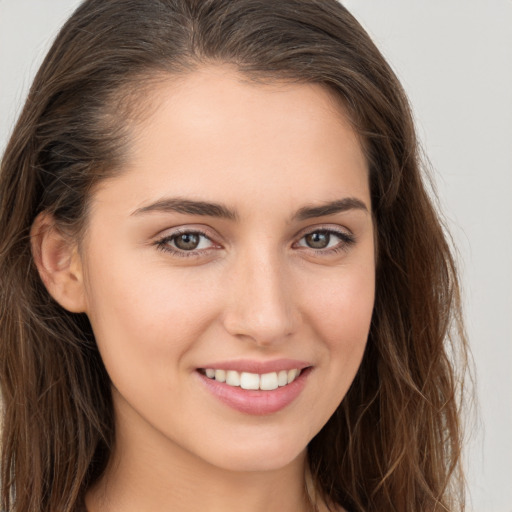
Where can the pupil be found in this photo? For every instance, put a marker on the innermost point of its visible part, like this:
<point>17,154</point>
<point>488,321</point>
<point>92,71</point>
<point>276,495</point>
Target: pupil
<point>187,241</point>
<point>318,240</point>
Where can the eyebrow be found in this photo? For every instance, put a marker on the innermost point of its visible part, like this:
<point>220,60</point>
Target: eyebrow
<point>330,208</point>
<point>207,209</point>
<point>189,207</point>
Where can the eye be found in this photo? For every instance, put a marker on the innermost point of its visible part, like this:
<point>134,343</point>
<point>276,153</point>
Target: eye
<point>318,239</point>
<point>326,240</point>
<point>185,242</point>
<point>188,241</point>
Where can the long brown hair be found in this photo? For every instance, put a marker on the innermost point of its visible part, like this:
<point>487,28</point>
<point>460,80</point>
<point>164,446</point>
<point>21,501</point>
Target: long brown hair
<point>395,441</point>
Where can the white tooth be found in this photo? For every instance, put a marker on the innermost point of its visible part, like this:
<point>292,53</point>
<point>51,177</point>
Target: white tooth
<point>282,378</point>
<point>269,381</point>
<point>292,374</point>
<point>210,373</point>
<point>220,375</point>
<point>232,378</point>
<point>249,380</point>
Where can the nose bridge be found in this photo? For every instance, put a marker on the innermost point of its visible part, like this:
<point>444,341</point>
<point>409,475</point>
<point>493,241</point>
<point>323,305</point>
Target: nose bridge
<point>261,304</point>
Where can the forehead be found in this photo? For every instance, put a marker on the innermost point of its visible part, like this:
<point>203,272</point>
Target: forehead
<point>216,93</point>
<point>214,132</point>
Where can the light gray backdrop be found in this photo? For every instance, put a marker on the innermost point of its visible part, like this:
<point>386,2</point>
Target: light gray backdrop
<point>454,58</point>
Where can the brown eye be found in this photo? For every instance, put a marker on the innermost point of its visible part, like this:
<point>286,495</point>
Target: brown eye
<point>187,241</point>
<point>327,241</point>
<point>318,239</point>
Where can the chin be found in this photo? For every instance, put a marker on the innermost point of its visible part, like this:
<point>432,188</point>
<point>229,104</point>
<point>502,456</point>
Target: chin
<point>256,457</point>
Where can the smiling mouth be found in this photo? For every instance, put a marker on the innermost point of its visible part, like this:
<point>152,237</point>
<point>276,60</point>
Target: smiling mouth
<point>254,381</point>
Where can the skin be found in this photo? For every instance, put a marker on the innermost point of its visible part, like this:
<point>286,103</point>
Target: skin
<point>254,289</point>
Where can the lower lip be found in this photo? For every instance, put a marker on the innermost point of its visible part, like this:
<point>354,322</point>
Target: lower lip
<point>256,402</point>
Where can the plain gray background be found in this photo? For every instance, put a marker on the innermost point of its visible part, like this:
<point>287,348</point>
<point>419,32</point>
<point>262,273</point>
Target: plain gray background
<point>454,58</point>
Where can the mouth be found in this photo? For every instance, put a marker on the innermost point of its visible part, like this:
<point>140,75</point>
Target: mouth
<point>267,389</point>
<point>252,381</point>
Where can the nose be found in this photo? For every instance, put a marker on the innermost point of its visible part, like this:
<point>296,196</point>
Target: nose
<point>261,304</point>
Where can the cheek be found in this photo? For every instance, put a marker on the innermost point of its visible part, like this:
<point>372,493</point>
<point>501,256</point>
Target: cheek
<point>145,322</point>
<point>341,306</point>
<point>340,312</point>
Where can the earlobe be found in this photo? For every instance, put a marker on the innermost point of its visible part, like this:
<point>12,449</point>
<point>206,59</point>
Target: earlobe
<point>58,262</point>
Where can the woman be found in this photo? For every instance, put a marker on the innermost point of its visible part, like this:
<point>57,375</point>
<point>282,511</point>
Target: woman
<point>223,281</point>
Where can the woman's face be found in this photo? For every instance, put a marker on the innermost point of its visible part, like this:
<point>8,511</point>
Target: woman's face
<point>236,244</point>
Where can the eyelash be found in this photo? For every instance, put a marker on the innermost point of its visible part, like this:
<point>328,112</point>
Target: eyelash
<point>346,241</point>
<point>163,243</point>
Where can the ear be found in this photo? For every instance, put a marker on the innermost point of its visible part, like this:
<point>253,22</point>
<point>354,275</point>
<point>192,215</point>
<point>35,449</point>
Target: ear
<point>58,262</point>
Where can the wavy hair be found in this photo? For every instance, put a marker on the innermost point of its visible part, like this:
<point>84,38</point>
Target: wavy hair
<point>394,443</point>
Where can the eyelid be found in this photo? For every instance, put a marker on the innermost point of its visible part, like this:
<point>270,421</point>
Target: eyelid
<point>346,236</point>
<point>330,228</point>
<point>199,229</point>
<point>160,241</point>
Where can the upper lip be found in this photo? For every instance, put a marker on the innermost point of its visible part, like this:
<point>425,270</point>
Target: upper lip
<point>260,367</point>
